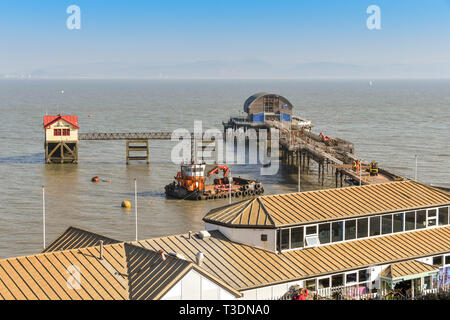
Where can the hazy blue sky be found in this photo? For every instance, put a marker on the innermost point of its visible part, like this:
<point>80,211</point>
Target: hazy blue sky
<point>34,35</point>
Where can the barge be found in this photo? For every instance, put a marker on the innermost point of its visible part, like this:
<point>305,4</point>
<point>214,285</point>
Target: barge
<point>190,184</point>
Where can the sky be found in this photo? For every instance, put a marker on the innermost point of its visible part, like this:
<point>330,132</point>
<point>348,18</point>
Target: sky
<point>34,35</point>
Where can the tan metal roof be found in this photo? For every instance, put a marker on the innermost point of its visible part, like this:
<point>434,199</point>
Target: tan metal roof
<point>308,207</point>
<point>244,267</point>
<point>74,238</point>
<point>407,268</point>
<point>125,272</point>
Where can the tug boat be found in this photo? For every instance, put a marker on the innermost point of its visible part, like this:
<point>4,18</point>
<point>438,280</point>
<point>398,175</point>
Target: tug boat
<point>189,184</point>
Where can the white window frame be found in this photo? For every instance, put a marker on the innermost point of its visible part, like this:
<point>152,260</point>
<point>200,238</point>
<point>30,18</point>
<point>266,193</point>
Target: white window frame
<point>380,216</point>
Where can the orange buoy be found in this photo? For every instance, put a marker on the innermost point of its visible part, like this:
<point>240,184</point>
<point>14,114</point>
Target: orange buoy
<point>95,179</point>
<point>90,116</point>
<point>110,181</point>
<point>153,202</point>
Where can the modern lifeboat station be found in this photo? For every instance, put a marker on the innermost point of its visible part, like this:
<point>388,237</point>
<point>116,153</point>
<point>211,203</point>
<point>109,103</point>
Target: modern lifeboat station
<point>359,241</point>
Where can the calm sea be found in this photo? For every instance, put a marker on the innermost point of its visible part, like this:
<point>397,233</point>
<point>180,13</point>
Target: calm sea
<point>389,122</point>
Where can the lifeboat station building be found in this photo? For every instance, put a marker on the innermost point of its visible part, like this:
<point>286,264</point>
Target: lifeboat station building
<point>61,138</point>
<point>361,241</point>
<point>263,106</point>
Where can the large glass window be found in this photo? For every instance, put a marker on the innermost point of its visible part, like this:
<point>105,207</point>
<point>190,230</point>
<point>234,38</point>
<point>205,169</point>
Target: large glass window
<point>410,220</point>
<point>432,218</point>
<point>311,230</point>
<point>297,237</point>
<point>398,222</point>
<point>447,260</point>
<point>337,280</point>
<point>324,283</point>
<point>363,227</point>
<point>337,230</point>
<point>421,219</point>
<point>351,278</point>
<point>284,239</point>
<point>443,216</point>
<point>310,285</point>
<point>364,275</point>
<point>325,233</point>
<point>437,261</point>
<point>350,229</point>
<point>374,226</point>
<point>386,224</point>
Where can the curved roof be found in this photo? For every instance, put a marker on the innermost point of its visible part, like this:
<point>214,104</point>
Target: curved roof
<point>256,96</point>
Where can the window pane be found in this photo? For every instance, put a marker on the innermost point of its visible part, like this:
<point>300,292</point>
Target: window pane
<point>350,278</point>
<point>421,219</point>
<point>337,231</point>
<point>437,261</point>
<point>312,240</point>
<point>310,285</point>
<point>311,230</point>
<point>337,280</point>
<point>324,283</point>
<point>410,220</point>
<point>278,241</point>
<point>386,222</point>
<point>447,260</point>
<point>363,225</point>
<point>398,222</point>
<point>427,282</point>
<point>284,239</point>
<point>297,237</point>
<point>443,216</point>
<point>431,213</point>
<point>364,275</point>
<point>374,226</point>
<point>324,232</point>
<point>350,229</point>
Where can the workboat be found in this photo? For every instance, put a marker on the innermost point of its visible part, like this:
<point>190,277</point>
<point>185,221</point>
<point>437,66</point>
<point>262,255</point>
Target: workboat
<point>190,184</point>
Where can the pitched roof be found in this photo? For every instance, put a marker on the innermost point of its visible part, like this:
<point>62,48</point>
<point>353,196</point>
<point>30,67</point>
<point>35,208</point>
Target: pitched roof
<point>245,213</point>
<point>48,120</point>
<point>47,275</point>
<point>244,267</point>
<point>407,268</point>
<point>125,272</point>
<point>74,238</point>
<point>323,205</point>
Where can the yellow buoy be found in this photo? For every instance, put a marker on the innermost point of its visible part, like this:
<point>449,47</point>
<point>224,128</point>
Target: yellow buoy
<point>126,204</point>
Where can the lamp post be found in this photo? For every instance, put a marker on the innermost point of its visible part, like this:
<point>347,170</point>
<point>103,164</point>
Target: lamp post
<point>43,216</point>
<point>135,206</point>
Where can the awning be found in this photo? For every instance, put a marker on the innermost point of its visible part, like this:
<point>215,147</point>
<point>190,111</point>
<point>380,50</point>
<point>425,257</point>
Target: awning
<point>407,270</point>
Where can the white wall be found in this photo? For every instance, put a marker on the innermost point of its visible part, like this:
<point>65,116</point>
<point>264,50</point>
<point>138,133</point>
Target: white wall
<point>269,292</point>
<point>251,237</point>
<point>194,286</point>
<point>49,137</point>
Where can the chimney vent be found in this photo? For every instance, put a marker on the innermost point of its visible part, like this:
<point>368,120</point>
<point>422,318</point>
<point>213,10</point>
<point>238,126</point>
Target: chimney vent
<point>101,249</point>
<point>190,234</point>
<point>204,234</point>
<point>199,257</point>
<point>163,254</point>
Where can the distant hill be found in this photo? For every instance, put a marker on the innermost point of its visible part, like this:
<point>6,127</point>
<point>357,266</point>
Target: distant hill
<point>238,69</point>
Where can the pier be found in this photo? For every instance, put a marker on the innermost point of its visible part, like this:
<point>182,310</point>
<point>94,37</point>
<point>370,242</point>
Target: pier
<point>298,145</point>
